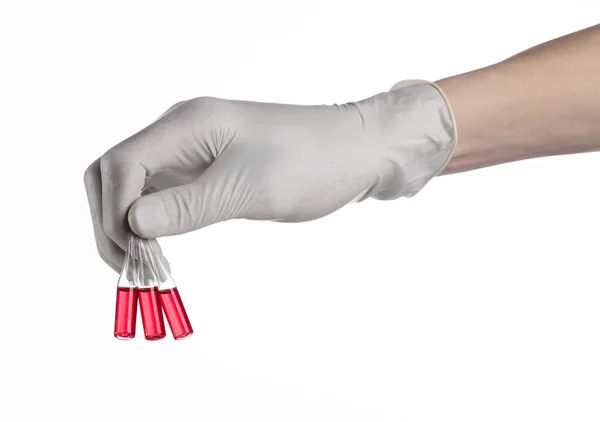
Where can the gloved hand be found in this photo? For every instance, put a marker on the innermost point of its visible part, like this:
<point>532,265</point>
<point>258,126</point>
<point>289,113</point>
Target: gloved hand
<point>208,160</point>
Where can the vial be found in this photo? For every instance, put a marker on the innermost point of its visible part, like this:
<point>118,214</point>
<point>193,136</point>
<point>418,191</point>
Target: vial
<point>127,297</point>
<point>170,300</point>
<point>147,282</point>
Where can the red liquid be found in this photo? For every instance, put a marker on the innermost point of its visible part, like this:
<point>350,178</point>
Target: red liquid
<point>175,313</point>
<point>125,312</point>
<point>154,326</point>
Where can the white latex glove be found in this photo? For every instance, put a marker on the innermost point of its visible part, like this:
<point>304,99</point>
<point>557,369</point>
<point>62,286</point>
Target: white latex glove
<point>209,160</point>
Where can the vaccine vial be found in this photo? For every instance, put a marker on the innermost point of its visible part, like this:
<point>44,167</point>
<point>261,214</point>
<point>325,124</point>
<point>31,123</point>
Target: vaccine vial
<point>175,312</point>
<point>170,300</point>
<point>127,298</point>
<point>147,282</point>
<point>152,318</point>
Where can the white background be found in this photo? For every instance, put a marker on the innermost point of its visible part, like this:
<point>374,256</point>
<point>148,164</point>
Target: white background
<point>478,300</point>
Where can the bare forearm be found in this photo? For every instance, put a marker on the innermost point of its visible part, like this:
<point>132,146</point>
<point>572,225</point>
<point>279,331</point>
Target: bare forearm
<point>543,101</point>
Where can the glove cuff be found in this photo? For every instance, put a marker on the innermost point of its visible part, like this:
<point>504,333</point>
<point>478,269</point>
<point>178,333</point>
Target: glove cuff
<point>443,135</point>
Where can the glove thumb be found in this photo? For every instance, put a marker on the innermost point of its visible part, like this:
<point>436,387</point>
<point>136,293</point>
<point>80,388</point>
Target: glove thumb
<point>214,197</point>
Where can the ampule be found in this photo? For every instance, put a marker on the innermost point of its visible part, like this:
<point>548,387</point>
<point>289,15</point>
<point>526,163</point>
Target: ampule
<point>127,296</point>
<point>147,281</point>
<point>170,299</point>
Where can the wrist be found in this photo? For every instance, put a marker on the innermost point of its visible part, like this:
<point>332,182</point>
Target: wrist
<point>416,136</point>
<point>485,118</point>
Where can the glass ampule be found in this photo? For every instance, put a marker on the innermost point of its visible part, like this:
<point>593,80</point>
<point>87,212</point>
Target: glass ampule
<point>127,297</point>
<point>147,282</point>
<point>170,299</point>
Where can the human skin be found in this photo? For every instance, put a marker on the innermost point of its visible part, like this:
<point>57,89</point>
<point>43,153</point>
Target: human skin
<point>296,163</point>
<point>544,101</point>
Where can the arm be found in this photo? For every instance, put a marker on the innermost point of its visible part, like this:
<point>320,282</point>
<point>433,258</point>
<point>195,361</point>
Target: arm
<point>209,160</point>
<point>543,101</point>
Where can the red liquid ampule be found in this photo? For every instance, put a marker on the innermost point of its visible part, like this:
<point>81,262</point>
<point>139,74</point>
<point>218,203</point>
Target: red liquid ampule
<point>147,281</point>
<point>127,296</point>
<point>152,318</point>
<point>170,299</point>
<point>175,313</point>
